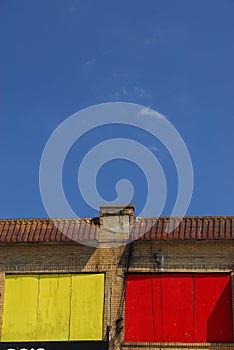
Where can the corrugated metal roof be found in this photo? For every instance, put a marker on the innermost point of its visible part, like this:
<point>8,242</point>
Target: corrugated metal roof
<point>87,230</point>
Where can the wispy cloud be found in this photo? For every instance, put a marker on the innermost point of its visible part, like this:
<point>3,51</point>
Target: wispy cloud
<point>141,92</point>
<point>91,61</point>
<point>147,111</point>
<point>72,8</point>
<point>156,38</point>
<point>124,90</point>
<point>130,92</point>
<point>119,94</point>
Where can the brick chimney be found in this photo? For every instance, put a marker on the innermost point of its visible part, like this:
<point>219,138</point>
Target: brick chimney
<point>116,222</point>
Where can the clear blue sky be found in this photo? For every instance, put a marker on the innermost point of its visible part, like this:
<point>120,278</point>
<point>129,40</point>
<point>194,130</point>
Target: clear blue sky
<point>59,56</point>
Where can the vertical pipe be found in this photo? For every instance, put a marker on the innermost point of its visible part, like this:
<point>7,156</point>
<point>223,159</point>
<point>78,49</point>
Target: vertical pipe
<point>109,310</point>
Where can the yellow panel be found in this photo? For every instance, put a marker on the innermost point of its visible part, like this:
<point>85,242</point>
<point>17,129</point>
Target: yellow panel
<point>87,307</point>
<point>53,307</point>
<point>20,304</point>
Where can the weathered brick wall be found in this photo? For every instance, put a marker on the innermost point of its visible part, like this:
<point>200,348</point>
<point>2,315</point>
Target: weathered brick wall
<point>183,256</point>
<point>198,256</point>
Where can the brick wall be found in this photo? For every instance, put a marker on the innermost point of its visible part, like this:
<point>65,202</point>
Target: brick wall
<point>152,256</point>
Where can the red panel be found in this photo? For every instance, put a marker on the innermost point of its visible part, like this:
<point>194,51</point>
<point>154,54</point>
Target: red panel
<point>143,308</point>
<point>178,308</point>
<point>213,305</point>
<point>178,311</point>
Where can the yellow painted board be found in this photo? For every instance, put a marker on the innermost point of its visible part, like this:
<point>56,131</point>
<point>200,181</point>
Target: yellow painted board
<point>19,310</point>
<point>87,304</point>
<point>53,314</point>
<point>53,307</point>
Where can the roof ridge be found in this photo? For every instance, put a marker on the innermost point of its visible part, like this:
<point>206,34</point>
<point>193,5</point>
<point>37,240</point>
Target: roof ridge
<point>46,219</point>
<point>137,217</point>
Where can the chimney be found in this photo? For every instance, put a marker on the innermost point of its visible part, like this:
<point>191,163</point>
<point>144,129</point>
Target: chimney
<point>116,222</point>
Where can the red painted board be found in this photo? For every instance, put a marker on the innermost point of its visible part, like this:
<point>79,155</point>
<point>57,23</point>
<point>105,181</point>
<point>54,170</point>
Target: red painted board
<point>177,308</point>
<point>143,308</point>
<point>213,305</point>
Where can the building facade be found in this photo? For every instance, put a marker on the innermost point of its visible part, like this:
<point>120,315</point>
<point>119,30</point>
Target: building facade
<point>162,289</point>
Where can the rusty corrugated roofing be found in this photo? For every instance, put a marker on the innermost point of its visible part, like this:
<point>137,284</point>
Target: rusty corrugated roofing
<point>47,230</point>
<point>189,228</point>
<point>69,230</point>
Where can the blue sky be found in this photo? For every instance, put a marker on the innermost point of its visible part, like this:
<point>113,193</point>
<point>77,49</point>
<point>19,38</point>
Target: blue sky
<point>60,56</point>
